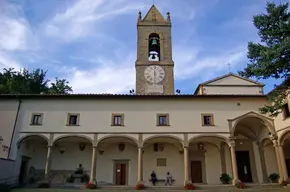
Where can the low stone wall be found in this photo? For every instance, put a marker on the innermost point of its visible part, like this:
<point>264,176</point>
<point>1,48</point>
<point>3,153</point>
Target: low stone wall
<point>7,170</point>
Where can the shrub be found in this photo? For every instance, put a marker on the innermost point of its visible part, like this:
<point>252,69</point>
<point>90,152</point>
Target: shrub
<point>240,185</point>
<point>140,186</point>
<point>225,178</point>
<point>71,179</point>
<point>44,185</point>
<point>274,177</point>
<point>85,178</point>
<point>91,186</point>
<point>4,188</point>
<point>189,186</point>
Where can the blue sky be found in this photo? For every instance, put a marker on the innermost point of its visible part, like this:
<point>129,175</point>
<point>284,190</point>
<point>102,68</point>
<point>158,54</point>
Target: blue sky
<point>92,43</point>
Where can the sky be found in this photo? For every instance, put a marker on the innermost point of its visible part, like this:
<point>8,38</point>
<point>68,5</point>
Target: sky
<point>93,43</point>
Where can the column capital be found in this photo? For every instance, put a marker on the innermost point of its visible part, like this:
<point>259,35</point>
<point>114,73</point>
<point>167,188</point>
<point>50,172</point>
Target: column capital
<point>185,146</point>
<point>95,146</point>
<point>49,146</point>
<point>232,143</point>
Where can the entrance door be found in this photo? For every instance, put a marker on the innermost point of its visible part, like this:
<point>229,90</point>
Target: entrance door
<point>288,166</point>
<point>196,172</point>
<point>121,174</point>
<point>244,168</point>
<point>23,169</point>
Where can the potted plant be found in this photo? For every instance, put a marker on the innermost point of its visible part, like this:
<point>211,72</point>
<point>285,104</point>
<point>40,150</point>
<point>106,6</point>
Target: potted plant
<point>225,178</point>
<point>140,186</point>
<point>240,185</point>
<point>189,186</point>
<point>274,177</point>
<point>91,186</point>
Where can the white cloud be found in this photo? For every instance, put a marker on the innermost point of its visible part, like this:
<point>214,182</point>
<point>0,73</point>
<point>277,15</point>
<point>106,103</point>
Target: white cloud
<point>81,19</point>
<point>188,65</point>
<point>7,62</point>
<point>109,76</point>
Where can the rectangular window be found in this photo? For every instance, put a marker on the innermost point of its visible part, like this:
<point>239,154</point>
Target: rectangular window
<point>286,112</point>
<point>73,119</point>
<point>117,120</point>
<point>163,119</point>
<point>36,119</point>
<point>161,162</point>
<point>207,119</point>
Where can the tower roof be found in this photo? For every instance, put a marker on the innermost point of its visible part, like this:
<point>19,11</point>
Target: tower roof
<point>154,15</point>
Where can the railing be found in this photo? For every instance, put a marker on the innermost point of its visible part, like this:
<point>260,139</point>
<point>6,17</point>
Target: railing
<point>11,181</point>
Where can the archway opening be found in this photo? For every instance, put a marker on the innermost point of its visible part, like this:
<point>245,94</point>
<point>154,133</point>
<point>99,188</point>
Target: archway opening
<point>285,140</point>
<point>163,154</point>
<point>249,132</point>
<point>209,156</point>
<point>71,159</point>
<point>117,159</point>
<point>32,158</point>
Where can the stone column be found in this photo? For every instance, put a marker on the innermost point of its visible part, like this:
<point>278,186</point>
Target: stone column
<point>278,160</point>
<point>93,166</point>
<point>48,160</point>
<point>234,162</point>
<point>185,155</point>
<point>140,161</point>
<point>263,163</point>
<point>283,163</point>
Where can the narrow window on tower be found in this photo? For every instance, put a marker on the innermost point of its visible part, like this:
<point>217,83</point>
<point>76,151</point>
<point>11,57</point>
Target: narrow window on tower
<point>154,47</point>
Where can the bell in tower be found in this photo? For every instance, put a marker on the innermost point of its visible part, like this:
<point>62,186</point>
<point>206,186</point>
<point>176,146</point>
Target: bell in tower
<point>154,47</point>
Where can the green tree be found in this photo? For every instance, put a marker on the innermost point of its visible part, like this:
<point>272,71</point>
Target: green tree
<point>271,57</point>
<point>34,82</point>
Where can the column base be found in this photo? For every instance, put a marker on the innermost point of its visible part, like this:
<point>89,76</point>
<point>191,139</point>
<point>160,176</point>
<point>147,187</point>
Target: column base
<point>93,181</point>
<point>140,182</point>
<point>234,181</point>
<point>187,182</point>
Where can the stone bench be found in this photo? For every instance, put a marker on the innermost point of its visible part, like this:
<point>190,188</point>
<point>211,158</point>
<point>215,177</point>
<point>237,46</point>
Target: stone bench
<point>162,180</point>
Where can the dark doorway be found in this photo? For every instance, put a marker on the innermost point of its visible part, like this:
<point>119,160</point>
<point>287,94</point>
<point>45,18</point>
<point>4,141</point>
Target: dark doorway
<point>288,166</point>
<point>121,174</point>
<point>244,168</point>
<point>23,169</point>
<point>196,172</point>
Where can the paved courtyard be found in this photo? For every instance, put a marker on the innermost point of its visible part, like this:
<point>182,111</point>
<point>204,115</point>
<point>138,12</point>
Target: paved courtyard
<point>106,190</point>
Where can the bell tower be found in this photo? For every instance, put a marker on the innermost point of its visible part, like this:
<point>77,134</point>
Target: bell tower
<point>154,64</point>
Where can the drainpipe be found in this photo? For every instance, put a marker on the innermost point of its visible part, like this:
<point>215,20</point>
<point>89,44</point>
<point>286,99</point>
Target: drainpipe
<point>14,127</point>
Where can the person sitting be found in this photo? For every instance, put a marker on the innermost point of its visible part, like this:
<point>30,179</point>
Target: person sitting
<point>168,179</point>
<point>153,178</point>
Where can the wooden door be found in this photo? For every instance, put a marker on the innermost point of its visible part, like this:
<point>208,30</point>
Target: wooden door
<point>121,174</point>
<point>196,172</point>
<point>288,166</point>
<point>23,169</point>
<point>243,164</point>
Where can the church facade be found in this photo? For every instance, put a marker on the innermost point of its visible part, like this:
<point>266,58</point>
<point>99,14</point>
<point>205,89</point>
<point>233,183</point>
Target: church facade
<point>121,138</point>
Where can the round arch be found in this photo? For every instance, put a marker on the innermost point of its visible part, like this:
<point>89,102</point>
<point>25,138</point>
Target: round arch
<point>163,136</point>
<point>281,138</point>
<point>225,139</point>
<point>72,135</point>
<point>118,136</point>
<point>22,138</point>
<point>263,120</point>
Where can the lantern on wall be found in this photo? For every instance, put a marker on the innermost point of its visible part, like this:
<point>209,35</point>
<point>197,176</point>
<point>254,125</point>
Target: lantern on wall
<point>82,146</point>
<point>121,147</point>
<point>200,146</point>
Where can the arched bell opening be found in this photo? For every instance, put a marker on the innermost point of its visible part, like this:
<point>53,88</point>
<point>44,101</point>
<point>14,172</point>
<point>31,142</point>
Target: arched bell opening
<point>154,47</point>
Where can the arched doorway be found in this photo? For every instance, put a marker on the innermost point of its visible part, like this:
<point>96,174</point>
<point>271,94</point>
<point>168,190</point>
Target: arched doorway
<point>163,154</point>
<point>71,153</point>
<point>117,160</point>
<point>285,141</point>
<point>249,132</point>
<point>32,158</point>
<point>209,156</point>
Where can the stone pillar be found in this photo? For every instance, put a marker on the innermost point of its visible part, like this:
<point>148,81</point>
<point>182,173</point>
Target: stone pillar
<point>140,161</point>
<point>278,160</point>
<point>93,166</point>
<point>283,163</point>
<point>234,162</point>
<point>263,163</point>
<point>48,161</point>
<point>185,155</point>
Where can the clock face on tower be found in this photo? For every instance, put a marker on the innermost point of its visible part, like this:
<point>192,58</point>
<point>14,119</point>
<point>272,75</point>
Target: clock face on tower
<point>154,74</point>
